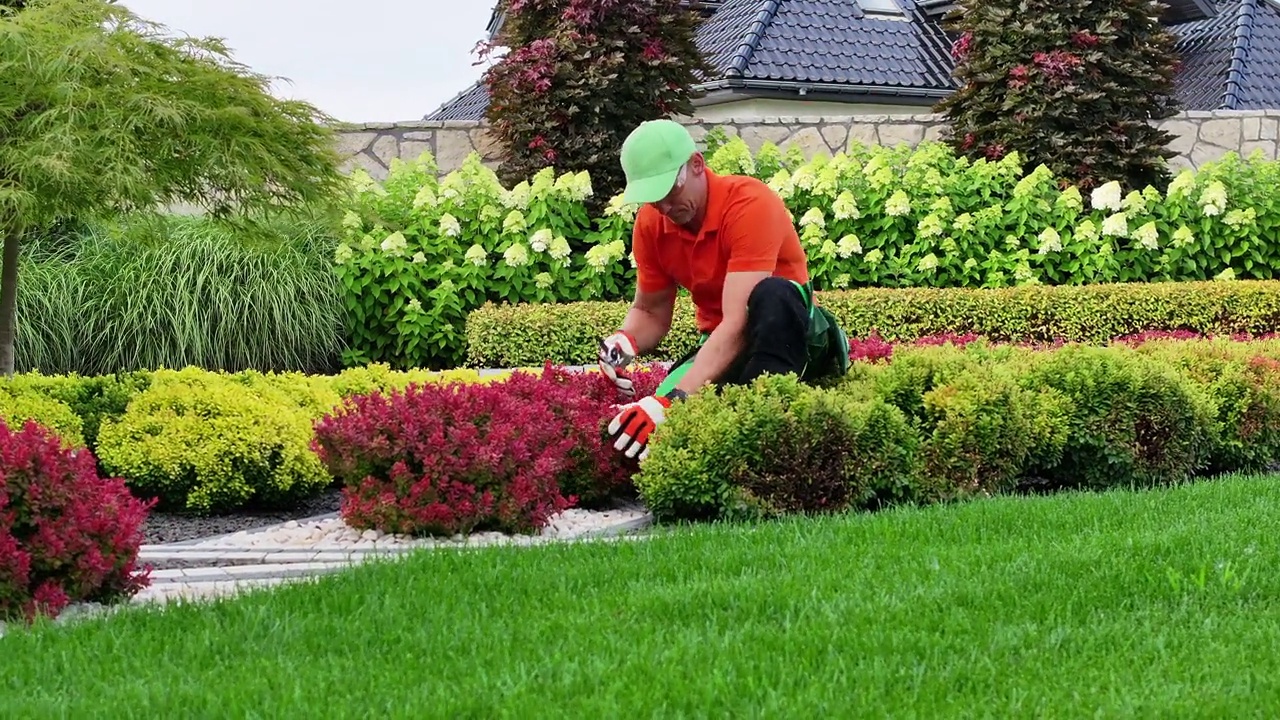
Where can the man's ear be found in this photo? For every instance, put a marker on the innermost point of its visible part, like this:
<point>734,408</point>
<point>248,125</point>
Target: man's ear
<point>697,163</point>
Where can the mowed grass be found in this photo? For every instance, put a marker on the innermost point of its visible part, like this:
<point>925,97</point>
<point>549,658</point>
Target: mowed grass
<point>1125,604</point>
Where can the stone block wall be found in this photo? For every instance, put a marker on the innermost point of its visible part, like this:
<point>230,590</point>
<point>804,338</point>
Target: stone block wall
<point>1201,136</point>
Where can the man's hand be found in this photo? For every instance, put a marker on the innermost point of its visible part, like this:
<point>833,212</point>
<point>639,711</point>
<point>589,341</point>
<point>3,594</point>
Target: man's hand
<point>616,353</point>
<point>632,426</point>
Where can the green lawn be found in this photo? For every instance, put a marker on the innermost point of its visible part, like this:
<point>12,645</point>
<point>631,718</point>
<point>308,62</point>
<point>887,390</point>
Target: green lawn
<point>1155,604</point>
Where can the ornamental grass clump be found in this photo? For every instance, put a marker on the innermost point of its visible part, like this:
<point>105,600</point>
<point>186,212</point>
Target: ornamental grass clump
<point>446,458</point>
<point>66,534</point>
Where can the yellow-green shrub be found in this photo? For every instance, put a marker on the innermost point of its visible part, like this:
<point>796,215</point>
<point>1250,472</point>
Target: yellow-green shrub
<point>91,398</point>
<point>511,335</point>
<point>209,442</point>
<point>17,408</point>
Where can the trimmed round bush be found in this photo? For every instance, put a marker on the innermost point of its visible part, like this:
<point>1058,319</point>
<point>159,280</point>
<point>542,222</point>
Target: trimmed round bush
<point>775,447</point>
<point>211,442</point>
<point>1136,420</point>
<point>66,534</point>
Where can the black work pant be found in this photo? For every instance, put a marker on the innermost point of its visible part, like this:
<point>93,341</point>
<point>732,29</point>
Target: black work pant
<point>776,337</point>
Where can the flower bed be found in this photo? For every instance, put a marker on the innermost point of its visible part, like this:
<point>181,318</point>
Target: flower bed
<point>524,335</point>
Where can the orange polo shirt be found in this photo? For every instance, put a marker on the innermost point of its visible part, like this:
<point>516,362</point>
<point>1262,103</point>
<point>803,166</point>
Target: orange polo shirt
<point>746,229</point>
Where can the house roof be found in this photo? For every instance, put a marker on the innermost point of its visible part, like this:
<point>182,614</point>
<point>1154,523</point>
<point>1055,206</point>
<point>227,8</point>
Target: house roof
<point>1232,61</point>
<point>836,48</point>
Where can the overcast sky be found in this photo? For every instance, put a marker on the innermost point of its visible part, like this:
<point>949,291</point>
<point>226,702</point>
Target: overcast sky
<point>362,61</point>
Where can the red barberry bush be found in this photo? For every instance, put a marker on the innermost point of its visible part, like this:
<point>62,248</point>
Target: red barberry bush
<point>580,74</point>
<point>1075,85</point>
<point>66,534</point>
<point>447,458</point>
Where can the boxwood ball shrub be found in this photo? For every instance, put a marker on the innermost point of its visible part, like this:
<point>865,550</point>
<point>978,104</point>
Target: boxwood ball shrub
<point>212,442</point>
<point>66,533</point>
<point>452,457</point>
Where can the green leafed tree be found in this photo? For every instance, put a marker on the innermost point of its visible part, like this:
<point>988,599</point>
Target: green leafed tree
<point>103,112</point>
<point>579,75</point>
<point>1073,84</point>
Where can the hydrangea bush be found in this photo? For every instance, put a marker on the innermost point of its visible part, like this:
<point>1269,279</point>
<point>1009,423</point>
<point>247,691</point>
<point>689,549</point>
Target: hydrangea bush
<point>419,252</point>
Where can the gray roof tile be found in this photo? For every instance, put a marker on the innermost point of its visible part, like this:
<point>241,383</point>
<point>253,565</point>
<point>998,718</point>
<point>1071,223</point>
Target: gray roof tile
<point>1230,61</point>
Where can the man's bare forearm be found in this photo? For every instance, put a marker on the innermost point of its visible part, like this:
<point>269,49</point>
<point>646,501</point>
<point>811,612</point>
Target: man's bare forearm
<point>723,345</point>
<point>647,326</point>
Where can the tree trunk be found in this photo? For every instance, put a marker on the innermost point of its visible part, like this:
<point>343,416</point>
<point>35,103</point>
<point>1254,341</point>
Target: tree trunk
<point>9,298</point>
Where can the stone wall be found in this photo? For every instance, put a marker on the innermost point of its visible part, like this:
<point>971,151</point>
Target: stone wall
<point>1202,136</point>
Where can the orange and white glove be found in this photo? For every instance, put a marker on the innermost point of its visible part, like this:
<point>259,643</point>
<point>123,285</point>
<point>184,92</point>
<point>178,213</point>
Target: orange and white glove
<point>636,421</point>
<point>616,353</point>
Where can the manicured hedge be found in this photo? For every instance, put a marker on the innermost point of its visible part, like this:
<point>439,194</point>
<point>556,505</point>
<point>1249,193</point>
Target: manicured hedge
<point>519,335</point>
<point>943,423</point>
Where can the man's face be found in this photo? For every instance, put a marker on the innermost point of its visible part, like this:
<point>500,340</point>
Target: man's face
<point>682,204</point>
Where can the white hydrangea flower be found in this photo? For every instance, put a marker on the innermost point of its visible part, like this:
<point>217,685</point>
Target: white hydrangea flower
<point>419,258</point>
<point>1107,197</point>
<point>813,217</point>
<point>781,184</point>
<point>898,204</point>
<point>518,196</point>
<point>963,222</point>
<point>803,178</point>
<point>930,226</point>
<point>874,257</point>
<point>1213,200</point>
<point>1071,199</point>
<point>1182,236</point>
<point>449,226</point>
<point>343,254</point>
<point>1050,241</point>
<point>559,248</point>
<point>1134,203</point>
<point>426,197</point>
<point>1087,231</point>
<point>1148,236</point>
<point>845,207</point>
<point>541,240</point>
<point>1238,218</point>
<point>394,244</point>
<point>1116,225</point>
<point>516,255</point>
<point>477,255</point>
<point>514,223</point>
<point>415,305</point>
<point>1181,184</point>
<point>1228,274</point>
<point>351,221</point>
<point>842,281</point>
<point>543,280</point>
<point>928,263</point>
<point>849,245</point>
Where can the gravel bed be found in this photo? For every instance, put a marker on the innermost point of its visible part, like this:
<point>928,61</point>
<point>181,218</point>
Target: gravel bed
<point>169,527</point>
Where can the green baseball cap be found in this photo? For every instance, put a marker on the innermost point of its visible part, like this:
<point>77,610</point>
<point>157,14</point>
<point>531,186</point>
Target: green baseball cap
<point>651,158</point>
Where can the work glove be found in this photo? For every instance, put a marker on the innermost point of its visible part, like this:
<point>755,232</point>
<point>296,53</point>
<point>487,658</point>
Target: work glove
<point>616,353</point>
<point>635,422</point>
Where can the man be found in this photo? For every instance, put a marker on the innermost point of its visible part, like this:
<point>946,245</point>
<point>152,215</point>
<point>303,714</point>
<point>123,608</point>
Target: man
<point>730,241</point>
